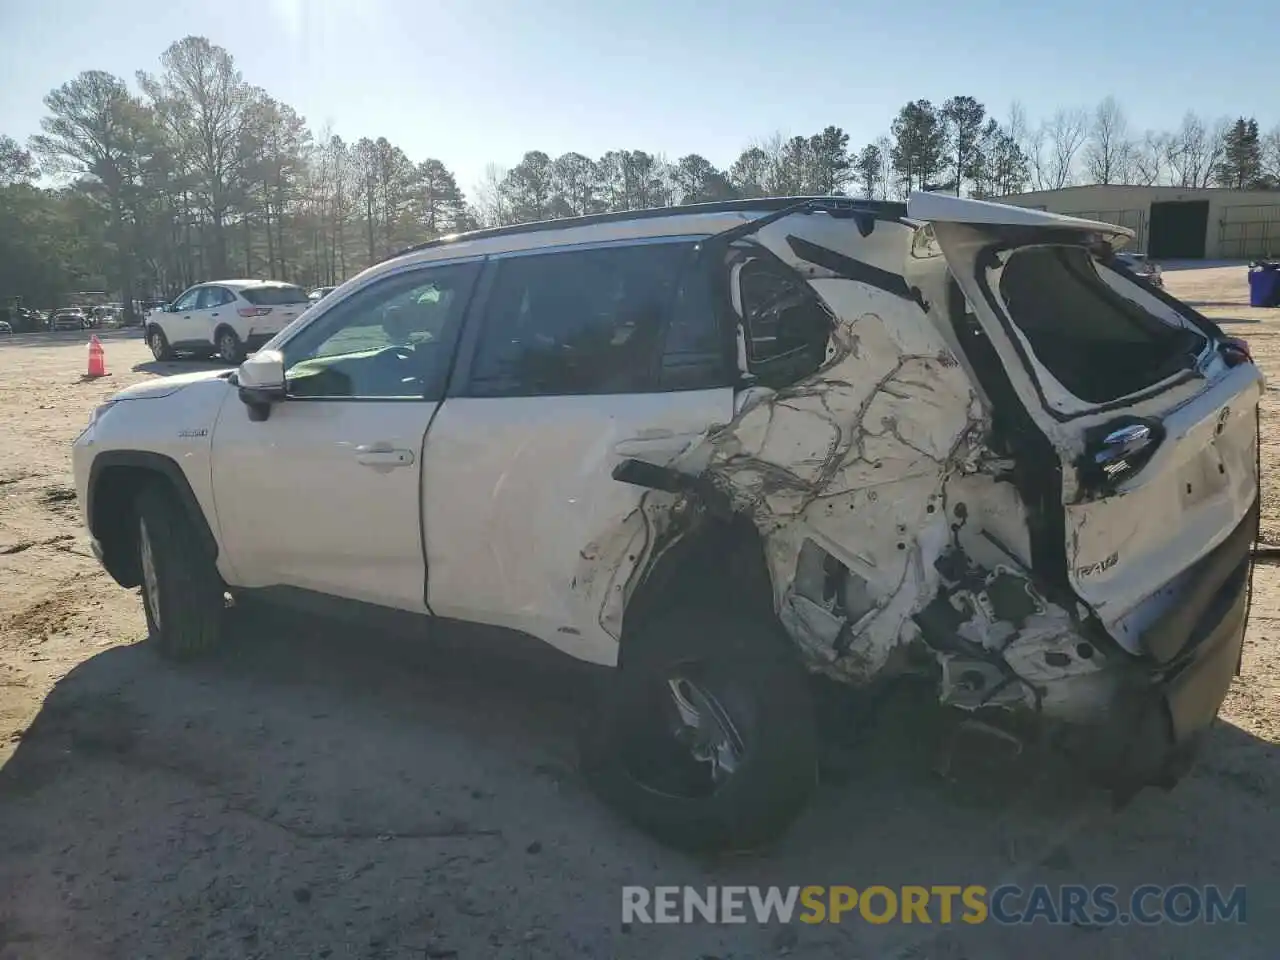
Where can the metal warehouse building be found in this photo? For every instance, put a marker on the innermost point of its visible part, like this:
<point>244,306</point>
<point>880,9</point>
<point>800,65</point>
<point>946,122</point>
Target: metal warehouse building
<point>1175,223</point>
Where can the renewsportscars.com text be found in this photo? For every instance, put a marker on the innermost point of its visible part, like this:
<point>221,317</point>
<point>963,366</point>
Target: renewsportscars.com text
<point>1099,905</point>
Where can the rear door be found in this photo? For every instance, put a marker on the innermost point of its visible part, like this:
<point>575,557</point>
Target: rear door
<point>213,307</point>
<point>1153,427</point>
<point>578,358</point>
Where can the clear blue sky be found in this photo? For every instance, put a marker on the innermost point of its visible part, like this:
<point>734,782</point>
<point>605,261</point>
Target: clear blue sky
<point>475,81</point>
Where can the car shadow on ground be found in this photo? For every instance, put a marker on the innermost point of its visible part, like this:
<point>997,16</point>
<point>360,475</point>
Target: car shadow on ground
<point>315,788</point>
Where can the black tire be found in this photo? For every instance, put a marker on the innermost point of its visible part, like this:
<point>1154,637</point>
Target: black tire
<point>182,593</point>
<point>755,678</point>
<point>227,346</point>
<point>159,344</point>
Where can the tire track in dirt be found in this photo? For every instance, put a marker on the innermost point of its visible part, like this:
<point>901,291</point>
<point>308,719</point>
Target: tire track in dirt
<point>24,545</point>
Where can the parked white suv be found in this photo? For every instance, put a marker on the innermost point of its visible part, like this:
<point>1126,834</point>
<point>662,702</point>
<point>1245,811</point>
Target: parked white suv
<point>719,448</point>
<point>225,318</point>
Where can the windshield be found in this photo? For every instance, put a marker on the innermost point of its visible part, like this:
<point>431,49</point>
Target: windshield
<point>274,296</point>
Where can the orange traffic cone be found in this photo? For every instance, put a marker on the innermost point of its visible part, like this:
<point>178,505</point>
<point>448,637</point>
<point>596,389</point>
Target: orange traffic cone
<point>97,358</point>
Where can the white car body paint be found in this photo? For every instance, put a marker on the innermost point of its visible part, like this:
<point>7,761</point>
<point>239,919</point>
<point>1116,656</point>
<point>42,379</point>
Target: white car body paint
<point>1123,549</point>
<point>180,428</point>
<point>193,326</point>
<point>517,496</point>
<point>864,461</point>
<point>326,513</point>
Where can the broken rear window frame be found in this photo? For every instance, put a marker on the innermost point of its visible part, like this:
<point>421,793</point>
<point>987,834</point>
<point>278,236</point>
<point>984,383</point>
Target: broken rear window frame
<point>989,258</point>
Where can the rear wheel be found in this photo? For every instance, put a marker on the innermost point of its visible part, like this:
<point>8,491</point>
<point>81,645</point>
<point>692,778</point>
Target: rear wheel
<point>705,735</point>
<point>230,350</point>
<point>182,593</point>
<point>159,344</point>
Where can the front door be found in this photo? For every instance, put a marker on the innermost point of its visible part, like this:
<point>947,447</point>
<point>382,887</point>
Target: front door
<point>325,495</point>
<point>182,326</point>
<point>580,359</point>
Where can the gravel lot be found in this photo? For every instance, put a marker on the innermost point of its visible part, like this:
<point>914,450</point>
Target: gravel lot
<point>310,794</point>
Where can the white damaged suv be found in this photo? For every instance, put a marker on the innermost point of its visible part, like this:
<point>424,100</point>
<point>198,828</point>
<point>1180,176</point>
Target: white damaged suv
<point>721,448</point>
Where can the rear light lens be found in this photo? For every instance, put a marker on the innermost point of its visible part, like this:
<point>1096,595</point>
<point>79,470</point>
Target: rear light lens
<point>253,311</point>
<point>1235,351</point>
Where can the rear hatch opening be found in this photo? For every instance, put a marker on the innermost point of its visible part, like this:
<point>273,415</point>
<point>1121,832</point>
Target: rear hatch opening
<point>1096,334</point>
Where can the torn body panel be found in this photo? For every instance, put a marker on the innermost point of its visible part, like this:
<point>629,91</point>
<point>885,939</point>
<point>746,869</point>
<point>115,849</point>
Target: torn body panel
<point>854,459</point>
<point>896,513</point>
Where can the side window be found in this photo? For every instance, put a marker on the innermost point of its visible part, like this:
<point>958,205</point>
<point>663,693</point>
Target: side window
<point>578,322</point>
<point>210,297</point>
<point>695,353</point>
<point>786,326</point>
<point>188,300</point>
<point>393,339</point>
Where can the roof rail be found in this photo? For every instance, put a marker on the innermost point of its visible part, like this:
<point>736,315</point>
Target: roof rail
<point>879,209</point>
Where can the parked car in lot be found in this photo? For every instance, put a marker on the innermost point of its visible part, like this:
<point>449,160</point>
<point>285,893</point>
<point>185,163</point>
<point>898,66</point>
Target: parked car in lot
<point>25,320</point>
<point>5,327</point>
<point>224,318</point>
<point>147,307</point>
<point>1138,264</point>
<point>69,318</point>
<point>719,449</point>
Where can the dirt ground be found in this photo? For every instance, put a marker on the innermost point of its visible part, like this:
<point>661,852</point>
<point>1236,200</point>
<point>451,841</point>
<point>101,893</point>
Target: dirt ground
<point>310,794</point>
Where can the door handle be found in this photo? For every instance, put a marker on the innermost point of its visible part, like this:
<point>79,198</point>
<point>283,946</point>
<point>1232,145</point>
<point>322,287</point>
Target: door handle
<point>213,314</point>
<point>383,455</point>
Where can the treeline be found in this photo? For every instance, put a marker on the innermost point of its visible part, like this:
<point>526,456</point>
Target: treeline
<point>193,173</point>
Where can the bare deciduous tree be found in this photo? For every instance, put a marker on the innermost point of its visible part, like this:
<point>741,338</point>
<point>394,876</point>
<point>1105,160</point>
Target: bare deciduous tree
<point>1108,155</point>
<point>1147,160</point>
<point>1062,135</point>
<point>1194,151</point>
<point>491,205</point>
<point>1271,157</point>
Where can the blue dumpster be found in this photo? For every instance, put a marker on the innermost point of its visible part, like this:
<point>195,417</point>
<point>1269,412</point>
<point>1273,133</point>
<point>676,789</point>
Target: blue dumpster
<point>1264,284</point>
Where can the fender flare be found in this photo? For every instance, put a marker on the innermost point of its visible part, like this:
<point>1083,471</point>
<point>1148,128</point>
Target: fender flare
<point>156,463</point>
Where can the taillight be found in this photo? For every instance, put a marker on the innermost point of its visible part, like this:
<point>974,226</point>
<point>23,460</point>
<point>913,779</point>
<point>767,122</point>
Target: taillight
<point>253,311</point>
<point>1235,351</point>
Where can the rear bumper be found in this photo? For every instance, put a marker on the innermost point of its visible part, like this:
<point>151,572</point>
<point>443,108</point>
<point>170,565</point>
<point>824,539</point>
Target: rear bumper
<point>1156,709</point>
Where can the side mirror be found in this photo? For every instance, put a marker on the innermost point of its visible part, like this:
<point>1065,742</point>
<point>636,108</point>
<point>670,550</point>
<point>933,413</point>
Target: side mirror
<point>261,382</point>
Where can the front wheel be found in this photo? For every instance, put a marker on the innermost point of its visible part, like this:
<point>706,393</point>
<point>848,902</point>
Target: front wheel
<point>182,593</point>
<point>230,350</point>
<point>705,735</point>
<point>159,344</point>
